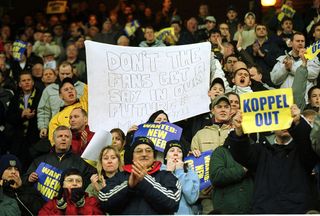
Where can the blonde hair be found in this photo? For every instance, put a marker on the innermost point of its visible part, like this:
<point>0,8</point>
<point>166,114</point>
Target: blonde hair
<point>103,152</point>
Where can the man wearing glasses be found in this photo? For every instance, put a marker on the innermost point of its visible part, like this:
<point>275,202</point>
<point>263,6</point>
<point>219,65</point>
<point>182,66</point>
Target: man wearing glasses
<point>141,188</point>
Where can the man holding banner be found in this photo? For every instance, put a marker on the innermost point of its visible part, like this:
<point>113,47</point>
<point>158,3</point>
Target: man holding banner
<point>45,171</point>
<point>282,170</point>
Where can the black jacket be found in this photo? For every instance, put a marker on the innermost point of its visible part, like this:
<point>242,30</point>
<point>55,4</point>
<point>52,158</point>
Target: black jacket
<point>158,193</point>
<point>282,181</point>
<point>69,160</point>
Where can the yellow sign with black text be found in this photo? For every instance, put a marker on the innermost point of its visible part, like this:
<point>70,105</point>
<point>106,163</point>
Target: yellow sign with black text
<point>266,110</point>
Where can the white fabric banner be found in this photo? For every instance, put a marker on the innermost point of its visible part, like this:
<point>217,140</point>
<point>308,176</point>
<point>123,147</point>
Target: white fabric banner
<point>127,84</point>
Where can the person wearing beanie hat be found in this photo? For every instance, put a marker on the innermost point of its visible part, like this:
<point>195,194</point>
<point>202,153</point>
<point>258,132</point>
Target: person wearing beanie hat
<point>141,188</point>
<point>156,117</point>
<point>26,200</point>
<point>71,199</point>
<point>174,154</point>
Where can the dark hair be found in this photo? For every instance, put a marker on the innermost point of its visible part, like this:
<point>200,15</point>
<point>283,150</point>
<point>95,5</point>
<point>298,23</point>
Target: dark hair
<point>286,18</point>
<point>311,90</point>
<point>232,93</point>
<point>155,115</point>
<point>315,26</point>
<point>120,132</point>
<point>25,73</point>
<point>214,31</point>
<point>297,33</point>
<point>259,70</point>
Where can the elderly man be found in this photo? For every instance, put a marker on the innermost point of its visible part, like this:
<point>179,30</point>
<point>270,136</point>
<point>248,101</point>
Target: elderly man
<point>141,188</point>
<point>61,157</point>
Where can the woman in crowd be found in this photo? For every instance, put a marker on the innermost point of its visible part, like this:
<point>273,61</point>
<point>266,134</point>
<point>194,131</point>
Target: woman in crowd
<point>174,155</point>
<point>108,165</point>
<point>118,141</point>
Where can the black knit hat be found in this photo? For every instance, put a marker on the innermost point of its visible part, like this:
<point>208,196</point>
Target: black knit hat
<point>155,115</point>
<point>9,160</point>
<point>170,144</point>
<point>138,141</point>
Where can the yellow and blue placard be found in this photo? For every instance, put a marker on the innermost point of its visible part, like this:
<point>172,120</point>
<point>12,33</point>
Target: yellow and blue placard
<point>160,134</point>
<point>200,166</point>
<point>286,11</point>
<point>48,180</point>
<point>312,51</point>
<point>266,110</point>
<point>18,48</point>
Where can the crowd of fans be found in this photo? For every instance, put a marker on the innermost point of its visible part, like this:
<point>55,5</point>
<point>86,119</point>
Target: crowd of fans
<point>44,115</point>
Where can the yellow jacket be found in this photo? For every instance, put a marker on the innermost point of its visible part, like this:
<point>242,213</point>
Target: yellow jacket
<point>62,117</point>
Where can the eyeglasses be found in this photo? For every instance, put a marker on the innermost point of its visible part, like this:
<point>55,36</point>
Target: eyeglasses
<point>140,151</point>
<point>71,180</point>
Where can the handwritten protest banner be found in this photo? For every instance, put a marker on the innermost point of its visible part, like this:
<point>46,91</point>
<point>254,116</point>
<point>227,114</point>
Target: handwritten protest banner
<point>200,166</point>
<point>160,134</point>
<point>56,6</point>
<point>18,48</point>
<point>266,110</point>
<point>48,180</point>
<point>128,84</point>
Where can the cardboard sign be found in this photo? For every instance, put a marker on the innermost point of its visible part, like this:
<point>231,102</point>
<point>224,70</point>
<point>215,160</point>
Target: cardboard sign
<point>128,84</point>
<point>200,166</point>
<point>266,110</point>
<point>56,7</point>
<point>160,134</point>
<point>48,180</point>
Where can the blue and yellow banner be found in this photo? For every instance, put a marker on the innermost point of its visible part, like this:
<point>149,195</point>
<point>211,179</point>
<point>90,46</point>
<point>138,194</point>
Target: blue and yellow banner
<point>286,11</point>
<point>48,180</point>
<point>312,51</point>
<point>266,110</point>
<point>200,166</point>
<point>160,134</point>
<point>18,48</point>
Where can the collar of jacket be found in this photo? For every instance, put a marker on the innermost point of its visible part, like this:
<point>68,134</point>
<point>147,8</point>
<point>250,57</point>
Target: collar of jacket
<point>77,101</point>
<point>154,168</point>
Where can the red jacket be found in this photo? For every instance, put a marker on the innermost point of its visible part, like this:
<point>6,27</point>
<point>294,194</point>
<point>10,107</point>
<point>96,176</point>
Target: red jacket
<point>77,146</point>
<point>91,207</point>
